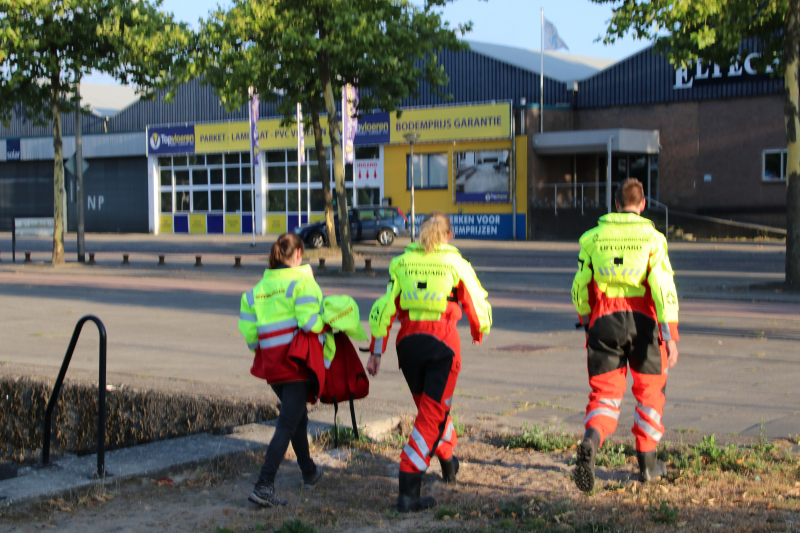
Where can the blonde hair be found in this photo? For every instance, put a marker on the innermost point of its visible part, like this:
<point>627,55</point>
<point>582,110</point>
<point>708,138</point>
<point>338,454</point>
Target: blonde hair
<point>435,230</point>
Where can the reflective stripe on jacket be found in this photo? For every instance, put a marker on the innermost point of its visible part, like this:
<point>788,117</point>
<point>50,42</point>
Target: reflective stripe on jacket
<point>421,294</point>
<point>284,301</point>
<point>623,265</point>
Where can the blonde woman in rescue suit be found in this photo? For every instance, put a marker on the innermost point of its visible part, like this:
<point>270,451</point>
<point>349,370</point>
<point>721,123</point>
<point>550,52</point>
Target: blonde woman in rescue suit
<point>430,285</point>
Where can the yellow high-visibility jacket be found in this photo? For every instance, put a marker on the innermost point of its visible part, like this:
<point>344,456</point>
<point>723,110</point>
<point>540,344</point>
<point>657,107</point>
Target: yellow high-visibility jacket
<point>623,266</point>
<point>425,291</point>
<point>284,301</point>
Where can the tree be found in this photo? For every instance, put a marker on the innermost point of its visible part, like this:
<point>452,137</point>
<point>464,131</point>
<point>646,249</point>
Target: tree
<point>307,50</point>
<point>716,31</point>
<point>46,46</point>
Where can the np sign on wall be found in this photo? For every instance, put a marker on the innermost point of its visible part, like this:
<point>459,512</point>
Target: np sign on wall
<point>702,73</point>
<point>13,152</point>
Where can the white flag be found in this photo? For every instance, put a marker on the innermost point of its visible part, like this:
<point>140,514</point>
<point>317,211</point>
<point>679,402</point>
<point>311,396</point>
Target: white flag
<point>551,39</point>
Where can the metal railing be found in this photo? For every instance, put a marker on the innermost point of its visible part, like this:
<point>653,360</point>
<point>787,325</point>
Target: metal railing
<point>579,198</point>
<point>101,396</point>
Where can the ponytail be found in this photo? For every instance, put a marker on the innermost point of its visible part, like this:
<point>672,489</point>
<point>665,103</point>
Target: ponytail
<point>435,230</point>
<point>284,248</point>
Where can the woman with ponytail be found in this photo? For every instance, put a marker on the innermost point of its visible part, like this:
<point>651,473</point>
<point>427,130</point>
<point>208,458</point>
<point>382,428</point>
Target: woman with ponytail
<point>286,301</point>
<point>430,286</point>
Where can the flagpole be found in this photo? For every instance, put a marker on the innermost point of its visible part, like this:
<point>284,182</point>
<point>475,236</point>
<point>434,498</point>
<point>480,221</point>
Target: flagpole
<point>299,180</point>
<point>252,176</point>
<point>541,81</point>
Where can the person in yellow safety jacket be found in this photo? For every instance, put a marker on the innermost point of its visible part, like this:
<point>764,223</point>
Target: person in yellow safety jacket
<point>428,282</point>
<point>626,299</point>
<point>287,300</point>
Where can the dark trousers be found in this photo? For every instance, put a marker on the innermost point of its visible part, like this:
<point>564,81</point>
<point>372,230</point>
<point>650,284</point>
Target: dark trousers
<point>292,427</point>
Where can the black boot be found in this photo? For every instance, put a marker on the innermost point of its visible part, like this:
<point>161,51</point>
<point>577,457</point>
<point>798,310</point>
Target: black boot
<point>650,468</point>
<point>409,501</point>
<point>587,451</point>
<point>449,469</point>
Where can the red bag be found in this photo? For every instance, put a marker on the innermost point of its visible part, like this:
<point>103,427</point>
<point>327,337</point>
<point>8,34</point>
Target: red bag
<point>345,380</point>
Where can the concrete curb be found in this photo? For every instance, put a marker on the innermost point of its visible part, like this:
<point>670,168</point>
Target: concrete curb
<point>154,460</point>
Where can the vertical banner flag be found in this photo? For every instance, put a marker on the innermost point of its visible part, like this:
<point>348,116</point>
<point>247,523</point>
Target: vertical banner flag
<point>301,137</point>
<point>551,39</point>
<point>254,127</point>
<point>349,122</point>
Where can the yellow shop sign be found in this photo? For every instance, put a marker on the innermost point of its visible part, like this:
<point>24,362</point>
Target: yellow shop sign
<point>489,121</point>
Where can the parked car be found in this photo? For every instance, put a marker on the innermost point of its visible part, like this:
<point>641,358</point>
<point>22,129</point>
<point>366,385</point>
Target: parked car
<point>369,222</point>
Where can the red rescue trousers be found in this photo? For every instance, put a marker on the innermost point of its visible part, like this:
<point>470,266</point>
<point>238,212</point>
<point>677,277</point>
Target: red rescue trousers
<point>614,342</point>
<point>431,369</point>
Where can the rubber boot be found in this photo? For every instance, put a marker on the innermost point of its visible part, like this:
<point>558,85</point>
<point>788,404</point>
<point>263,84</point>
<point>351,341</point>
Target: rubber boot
<point>650,468</point>
<point>587,451</point>
<point>449,469</point>
<point>409,500</point>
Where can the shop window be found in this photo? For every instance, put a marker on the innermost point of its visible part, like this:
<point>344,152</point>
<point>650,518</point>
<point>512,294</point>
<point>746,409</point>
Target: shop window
<point>179,161</point>
<point>291,170</point>
<point>368,152</point>
<point>314,171</point>
<point>199,201</point>
<point>291,156</point>
<point>197,160</point>
<point>247,205</point>
<point>164,161</point>
<point>317,200</point>
<point>348,173</point>
<point>276,201</point>
<point>430,171</point>
<point>231,159</point>
<point>245,158</point>
<point>278,156</point>
<point>292,194</point>
<point>774,165</point>
<point>369,196</point>
<point>166,178</point>
<point>312,154</point>
<point>232,175</point>
<point>181,177</point>
<point>182,204</point>
<point>214,159</point>
<point>200,176</point>
<point>232,204</point>
<point>216,201</point>
<point>276,174</point>
<point>166,202</point>
<point>215,176</point>
<point>245,175</point>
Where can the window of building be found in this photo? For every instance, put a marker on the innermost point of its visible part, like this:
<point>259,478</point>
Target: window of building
<point>200,183</point>
<point>430,171</point>
<point>773,165</point>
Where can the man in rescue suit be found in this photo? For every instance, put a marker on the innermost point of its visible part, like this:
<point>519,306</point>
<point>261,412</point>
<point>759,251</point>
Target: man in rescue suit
<point>428,282</point>
<point>626,299</point>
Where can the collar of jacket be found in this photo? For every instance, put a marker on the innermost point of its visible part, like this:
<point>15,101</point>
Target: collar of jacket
<point>302,271</point>
<point>624,218</point>
<point>442,248</point>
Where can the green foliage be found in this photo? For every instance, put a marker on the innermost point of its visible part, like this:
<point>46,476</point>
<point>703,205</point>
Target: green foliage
<point>347,438</point>
<point>664,513</point>
<point>461,429</point>
<point>512,508</point>
<point>541,439</point>
<point>295,526</point>
<point>708,29</point>
<point>220,529</point>
<point>46,46</point>
<point>611,456</point>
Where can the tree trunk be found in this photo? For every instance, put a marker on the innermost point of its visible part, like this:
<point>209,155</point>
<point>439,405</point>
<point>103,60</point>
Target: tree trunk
<point>323,172</point>
<point>58,176</point>
<point>348,261</point>
<point>792,58</point>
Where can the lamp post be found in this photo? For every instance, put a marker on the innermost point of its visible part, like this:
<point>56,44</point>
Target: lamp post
<point>412,138</point>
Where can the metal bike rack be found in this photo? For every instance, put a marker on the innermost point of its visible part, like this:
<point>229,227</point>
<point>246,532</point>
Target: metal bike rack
<point>101,396</point>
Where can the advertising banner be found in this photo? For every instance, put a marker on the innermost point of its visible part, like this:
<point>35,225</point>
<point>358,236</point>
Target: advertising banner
<point>254,128</point>
<point>482,176</point>
<point>301,139</point>
<point>482,226</point>
<point>490,121</point>
<point>170,140</point>
<point>373,129</point>
<point>13,150</point>
<point>350,123</point>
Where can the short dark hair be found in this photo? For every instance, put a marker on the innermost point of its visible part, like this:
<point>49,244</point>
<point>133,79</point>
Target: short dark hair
<point>629,193</point>
<point>284,249</point>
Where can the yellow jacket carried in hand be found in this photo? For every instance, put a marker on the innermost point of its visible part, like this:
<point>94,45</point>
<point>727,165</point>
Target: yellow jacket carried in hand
<point>623,266</point>
<point>286,300</point>
<point>424,293</point>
